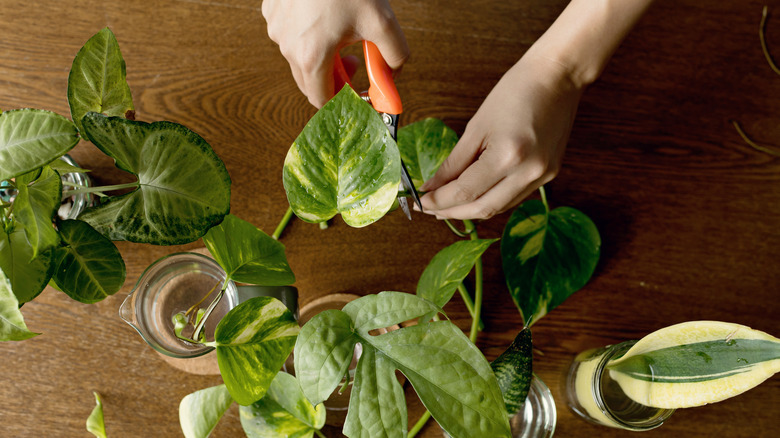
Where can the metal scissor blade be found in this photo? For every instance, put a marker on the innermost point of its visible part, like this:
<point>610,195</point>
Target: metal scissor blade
<point>406,180</point>
<point>405,207</point>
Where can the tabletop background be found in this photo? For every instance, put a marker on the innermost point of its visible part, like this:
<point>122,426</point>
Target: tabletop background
<point>688,213</point>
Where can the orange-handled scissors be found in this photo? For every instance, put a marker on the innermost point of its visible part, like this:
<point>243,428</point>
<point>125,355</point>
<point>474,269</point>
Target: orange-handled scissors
<point>383,96</point>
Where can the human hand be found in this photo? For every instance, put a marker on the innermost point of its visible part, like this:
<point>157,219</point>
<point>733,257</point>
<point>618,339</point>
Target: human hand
<point>311,32</point>
<point>513,145</point>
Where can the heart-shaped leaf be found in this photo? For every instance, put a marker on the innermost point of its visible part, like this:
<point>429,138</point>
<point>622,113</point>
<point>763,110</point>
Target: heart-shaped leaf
<point>95,424</point>
<point>89,266</point>
<point>247,254</point>
<point>424,146</point>
<point>283,412</point>
<point>12,326</point>
<point>253,341</point>
<point>31,138</point>
<point>449,374</point>
<point>28,274</point>
<point>448,268</point>
<point>200,411</point>
<point>97,80</point>
<point>547,256</point>
<point>345,161</point>
<point>514,371</point>
<point>183,187</point>
<point>35,206</point>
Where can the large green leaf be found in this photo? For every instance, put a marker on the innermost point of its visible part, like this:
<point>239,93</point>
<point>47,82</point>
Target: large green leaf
<point>424,146</point>
<point>345,161</point>
<point>30,138</point>
<point>97,79</point>
<point>514,371</point>
<point>200,411</point>
<point>35,205</point>
<point>448,268</point>
<point>247,254</point>
<point>284,412</point>
<point>547,256</point>
<point>89,267</point>
<point>95,424</point>
<point>450,375</point>
<point>12,326</point>
<point>184,188</point>
<point>28,275</point>
<point>253,341</point>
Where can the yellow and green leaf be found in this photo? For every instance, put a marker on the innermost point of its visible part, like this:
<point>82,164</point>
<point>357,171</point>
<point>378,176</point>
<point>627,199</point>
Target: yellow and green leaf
<point>95,424</point>
<point>424,146</point>
<point>12,326</point>
<point>200,411</point>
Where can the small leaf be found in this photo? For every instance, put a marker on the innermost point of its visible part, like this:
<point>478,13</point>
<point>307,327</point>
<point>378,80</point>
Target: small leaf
<point>35,206</point>
<point>12,326</point>
<point>283,412</point>
<point>97,79</point>
<point>184,188</point>
<point>89,267</point>
<point>95,424</point>
<point>28,275</point>
<point>31,138</point>
<point>514,371</point>
<point>200,411</point>
<point>448,268</point>
<point>247,254</point>
<point>547,256</point>
<point>424,146</point>
<point>345,161</point>
<point>253,341</point>
<point>63,168</point>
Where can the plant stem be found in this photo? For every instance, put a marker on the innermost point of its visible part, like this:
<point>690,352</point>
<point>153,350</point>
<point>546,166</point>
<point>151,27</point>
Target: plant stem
<point>458,232</point>
<point>751,143</point>
<point>544,198</point>
<point>762,38</point>
<point>100,190</point>
<point>477,288</point>
<point>319,434</point>
<point>419,425</point>
<point>283,223</point>
<point>464,294</point>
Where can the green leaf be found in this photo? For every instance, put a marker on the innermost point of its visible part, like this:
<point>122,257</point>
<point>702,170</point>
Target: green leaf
<point>97,79</point>
<point>89,266</point>
<point>547,256</point>
<point>345,161</point>
<point>696,363</point>
<point>253,341</point>
<point>184,188</point>
<point>200,411</point>
<point>284,412</point>
<point>514,371</point>
<point>449,373</point>
<point>35,206</point>
<point>424,146</point>
<point>64,168</point>
<point>28,275</point>
<point>448,268</point>
<point>247,254</point>
<point>95,424</point>
<point>31,138</point>
<point>12,326</point>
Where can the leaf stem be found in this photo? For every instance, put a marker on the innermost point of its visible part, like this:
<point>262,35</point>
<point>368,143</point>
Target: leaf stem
<point>464,294</point>
<point>319,434</point>
<point>283,223</point>
<point>458,232</point>
<point>100,190</point>
<point>762,38</point>
<point>544,198</point>
<point>419,425</point>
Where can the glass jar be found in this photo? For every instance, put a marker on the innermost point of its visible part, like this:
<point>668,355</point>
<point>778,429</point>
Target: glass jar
<point>596,397</point>
<point>72,206</point>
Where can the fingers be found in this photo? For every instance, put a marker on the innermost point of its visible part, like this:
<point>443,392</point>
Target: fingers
<point>382,28</point>
<point>463,154</point>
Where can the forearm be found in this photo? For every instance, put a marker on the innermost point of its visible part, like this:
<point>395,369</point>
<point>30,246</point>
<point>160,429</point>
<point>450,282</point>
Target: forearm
<point>586,34</point>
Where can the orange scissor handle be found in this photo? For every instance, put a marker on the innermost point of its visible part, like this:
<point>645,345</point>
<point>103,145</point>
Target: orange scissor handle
<point>382,92</point>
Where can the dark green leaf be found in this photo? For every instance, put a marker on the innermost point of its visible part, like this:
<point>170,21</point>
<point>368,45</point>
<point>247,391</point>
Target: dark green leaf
<point>31,138</point>
<point>184,188</point>
<point>12,326</point>
<point>200,411</point>
<point>424,146</point>
<point>28,275</point>
<point>95,424</point>
<point>345,161</point>
<point>547,256</point>
<point>89,266</point>
<point>283,413</point>
<point>35,206</point>
<point>448,268</point>
<point>247,254</point>
<point>97,79</point>
<point>514,371</point>
<point>253,341</point>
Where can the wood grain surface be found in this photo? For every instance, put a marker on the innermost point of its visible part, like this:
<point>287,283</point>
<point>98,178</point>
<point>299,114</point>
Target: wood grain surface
<point>688,213</point>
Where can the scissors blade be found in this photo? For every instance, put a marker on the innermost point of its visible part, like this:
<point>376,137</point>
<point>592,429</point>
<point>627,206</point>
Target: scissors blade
<point>391,121</point>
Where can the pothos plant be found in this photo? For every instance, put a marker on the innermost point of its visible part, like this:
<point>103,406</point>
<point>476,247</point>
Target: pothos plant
<point>180,188</point>
<point>345,162</point>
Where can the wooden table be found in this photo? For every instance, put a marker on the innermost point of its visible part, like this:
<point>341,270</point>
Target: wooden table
<point>688,213</point>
